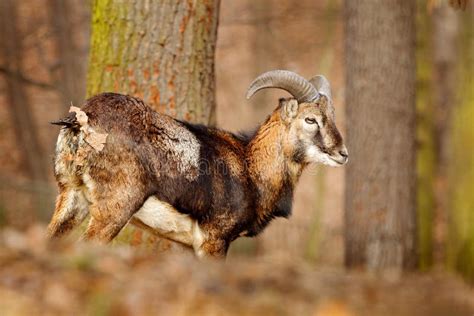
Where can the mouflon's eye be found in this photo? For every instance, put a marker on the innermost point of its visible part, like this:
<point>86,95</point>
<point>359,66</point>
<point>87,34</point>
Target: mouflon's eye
<point>310,120</point>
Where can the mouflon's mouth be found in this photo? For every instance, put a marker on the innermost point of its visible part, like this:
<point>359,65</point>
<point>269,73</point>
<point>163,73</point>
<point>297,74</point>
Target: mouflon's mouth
<point>339,160</point>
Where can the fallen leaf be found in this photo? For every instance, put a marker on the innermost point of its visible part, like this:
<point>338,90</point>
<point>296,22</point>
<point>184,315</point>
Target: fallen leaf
<point>95,139</point>
<point>81,116</point>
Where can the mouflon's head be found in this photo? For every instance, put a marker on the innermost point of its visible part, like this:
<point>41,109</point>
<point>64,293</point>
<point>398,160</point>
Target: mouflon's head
<point>309,118</point>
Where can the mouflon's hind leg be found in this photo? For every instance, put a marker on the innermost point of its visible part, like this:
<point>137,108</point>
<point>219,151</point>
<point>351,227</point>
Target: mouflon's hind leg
<point>70,210</point>
<point>116,187</point>
<point>109,214</point>
<point>112,206</point>
<point>103,230</point>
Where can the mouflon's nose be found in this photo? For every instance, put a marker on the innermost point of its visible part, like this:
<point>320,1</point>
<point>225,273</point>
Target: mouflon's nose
<point>344,155</point>
<point>343,152</point>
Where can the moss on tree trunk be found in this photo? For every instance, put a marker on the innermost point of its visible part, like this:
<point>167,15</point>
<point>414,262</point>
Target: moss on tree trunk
<point>160,51</point>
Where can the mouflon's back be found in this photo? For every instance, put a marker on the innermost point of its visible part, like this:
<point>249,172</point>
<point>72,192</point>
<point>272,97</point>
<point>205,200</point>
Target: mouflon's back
<point>178,162</point>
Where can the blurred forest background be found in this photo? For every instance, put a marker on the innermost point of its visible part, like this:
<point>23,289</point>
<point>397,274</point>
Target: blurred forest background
<point>47,52</point>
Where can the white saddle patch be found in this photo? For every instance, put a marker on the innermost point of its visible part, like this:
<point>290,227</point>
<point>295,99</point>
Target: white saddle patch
<point>166,221</point>
<point>185,152</point>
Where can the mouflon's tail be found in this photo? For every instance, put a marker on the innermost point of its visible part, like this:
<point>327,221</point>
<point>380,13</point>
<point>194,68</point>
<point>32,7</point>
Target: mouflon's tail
<point>68,121</point>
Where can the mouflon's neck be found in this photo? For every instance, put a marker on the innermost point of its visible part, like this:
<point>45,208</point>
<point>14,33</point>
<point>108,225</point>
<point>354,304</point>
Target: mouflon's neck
<point>271,167</point>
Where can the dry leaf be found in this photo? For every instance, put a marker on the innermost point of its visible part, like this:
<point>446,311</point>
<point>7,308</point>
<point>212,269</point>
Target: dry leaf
<point>96,140</point>
<point>81,116</point>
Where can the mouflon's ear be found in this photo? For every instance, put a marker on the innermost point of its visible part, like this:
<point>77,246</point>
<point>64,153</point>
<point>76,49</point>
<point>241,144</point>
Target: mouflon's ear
<point>289,108</point>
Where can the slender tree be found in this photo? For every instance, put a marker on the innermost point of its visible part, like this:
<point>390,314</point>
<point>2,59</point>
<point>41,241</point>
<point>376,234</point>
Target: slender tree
<point>160,51</point>
<point>445,58</point>
<point>69,74</point>
<point>460,252</point>
<point>426,157</point>
<point>33,165</point>
<point>21,115</point>
<point>380,219</point>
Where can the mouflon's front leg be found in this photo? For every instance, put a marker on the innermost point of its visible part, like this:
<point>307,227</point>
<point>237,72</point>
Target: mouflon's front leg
<point>212,249</point>
<point>210,241</point>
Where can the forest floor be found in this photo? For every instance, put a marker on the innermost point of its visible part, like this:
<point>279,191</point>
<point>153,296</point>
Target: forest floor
<point>37,277</point>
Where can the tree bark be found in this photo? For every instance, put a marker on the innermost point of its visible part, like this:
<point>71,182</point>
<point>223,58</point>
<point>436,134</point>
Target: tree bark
<point>460,250</point>
<point>265,59</point>
<point>69,75</point>
<point>445,58</point>
<point>32,165</point>
<point>426,157</point>
<point>159,51</point>
<point>380,214</point>
<point>22,118</point>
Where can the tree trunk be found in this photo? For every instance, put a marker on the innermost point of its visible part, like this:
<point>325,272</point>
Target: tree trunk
<point>21,115</point>
<point>265,59</point>
<point>460,252</point>
<point>33,165</point>
<point>426,157</point>
<point>69,75</point>
<point>380,214</point>
<point>159,51</point>
<point>445,53</point>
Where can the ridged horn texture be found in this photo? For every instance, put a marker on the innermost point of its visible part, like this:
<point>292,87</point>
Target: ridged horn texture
<point>322,85</point>
<point>300,88</point>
